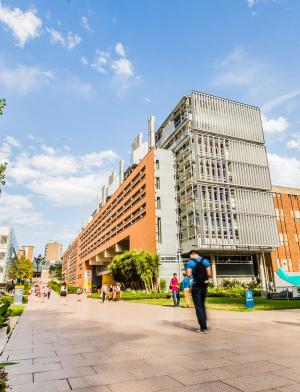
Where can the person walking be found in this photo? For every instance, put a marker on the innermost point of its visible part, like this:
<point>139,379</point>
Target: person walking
<point>79,293</point>
<point>114,292</point>
<point>104,292</point>
<point>48,292</point>
<point>186,288</point>
<point>118,292</point>
<point>174,286</point>
<point>110,293</point>
<point>199,269</point>
<point>63,292</point>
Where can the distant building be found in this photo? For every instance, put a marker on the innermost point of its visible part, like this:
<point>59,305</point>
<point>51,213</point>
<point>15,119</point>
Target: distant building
<point>53,251</point>
<point>8,250</point>
<point>26,251</point>
<point>287,208</point>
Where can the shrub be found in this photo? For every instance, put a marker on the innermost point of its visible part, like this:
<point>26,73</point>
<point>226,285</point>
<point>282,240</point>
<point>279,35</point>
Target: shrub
<point>162,285</point>
<point>6,299</point>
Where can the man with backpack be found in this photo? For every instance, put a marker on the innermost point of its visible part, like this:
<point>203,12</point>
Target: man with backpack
<point>199,268</point>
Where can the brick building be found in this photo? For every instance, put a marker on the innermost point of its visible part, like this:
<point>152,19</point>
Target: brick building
<point>287,208</point>
<point>135,211</point>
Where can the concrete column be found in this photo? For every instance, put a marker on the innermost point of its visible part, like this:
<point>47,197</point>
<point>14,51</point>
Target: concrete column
<point>214,270</point>
<point>262,271</point>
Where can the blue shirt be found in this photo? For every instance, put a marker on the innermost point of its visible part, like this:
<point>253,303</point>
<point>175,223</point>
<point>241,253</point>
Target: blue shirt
<point>185,284</point>
<point>193,262</point>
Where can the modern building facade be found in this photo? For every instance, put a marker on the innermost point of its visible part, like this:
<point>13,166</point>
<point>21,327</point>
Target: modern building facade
<point>137,210</point>
<point>8,250</point>
<point>287,207</point>
<point>224,201</point>
<point>201,182</point>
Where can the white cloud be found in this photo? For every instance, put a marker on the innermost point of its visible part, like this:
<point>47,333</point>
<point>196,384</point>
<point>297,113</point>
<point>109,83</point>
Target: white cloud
<point>48,149</point>
<point>123,68</point>
<point>274,125</point>
<point>101,61</point>
<point>295,142</point>
<point>250,3</point>
<point>284,170</point>
<point>12,141</point>
<point>55,36</point>
<point>120,51</point>
<point>22,79</point>
<point>85,24</point>
<point>17,209</point>
<point>57,175</point>
<point>24,25</point>
<point>83,60</point>
<point>70,41</point>
<point>239,69</point>
<point>79,87</point>
<point>280,100</point>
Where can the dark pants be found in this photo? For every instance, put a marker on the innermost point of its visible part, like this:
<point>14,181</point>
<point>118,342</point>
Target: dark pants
<point>199,295</point>
<point>176,298</point>
<point>103,296</point>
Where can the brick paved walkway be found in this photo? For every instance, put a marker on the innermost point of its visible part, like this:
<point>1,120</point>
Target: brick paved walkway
<point>125,347</point>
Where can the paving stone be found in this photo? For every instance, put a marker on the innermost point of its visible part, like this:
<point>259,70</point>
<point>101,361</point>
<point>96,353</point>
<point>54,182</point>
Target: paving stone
<point>152,384</point>
<point>217,386</point>
<point>290,388</point>
<point>102,378</point>
<point>50,386</point>
<point>20,379</point>
<point>244,369</point>
<point>63,373</point>
<point>202,376</point>
<point>255,383</point>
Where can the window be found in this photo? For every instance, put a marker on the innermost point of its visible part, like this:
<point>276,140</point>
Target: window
<point>3,239</point>
<point>158,203</point>
<point>157,164</point>
<point>2,255</point>
<point>157,183</point>
<point>159,234</point>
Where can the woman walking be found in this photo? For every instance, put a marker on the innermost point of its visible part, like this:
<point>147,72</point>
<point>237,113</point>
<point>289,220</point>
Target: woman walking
<point>63,292</point>
<point>104,292</point>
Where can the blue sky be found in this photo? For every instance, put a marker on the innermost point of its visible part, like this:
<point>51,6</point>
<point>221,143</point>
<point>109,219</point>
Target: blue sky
<point>81,78</point>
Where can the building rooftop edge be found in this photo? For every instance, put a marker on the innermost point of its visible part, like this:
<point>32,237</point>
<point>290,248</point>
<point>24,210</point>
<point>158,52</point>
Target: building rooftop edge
<point>285,189</point>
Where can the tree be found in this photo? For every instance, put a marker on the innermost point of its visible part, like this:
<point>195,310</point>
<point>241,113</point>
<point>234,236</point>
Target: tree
<point>136,269</point>
<point>21,269</point>
<point>56,271</point>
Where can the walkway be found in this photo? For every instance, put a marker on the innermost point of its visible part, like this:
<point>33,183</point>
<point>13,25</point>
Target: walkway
<point>126,347</point>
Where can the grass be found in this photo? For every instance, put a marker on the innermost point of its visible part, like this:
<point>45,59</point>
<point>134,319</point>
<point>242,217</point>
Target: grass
<point>17,310</point>
<point>233,304</point>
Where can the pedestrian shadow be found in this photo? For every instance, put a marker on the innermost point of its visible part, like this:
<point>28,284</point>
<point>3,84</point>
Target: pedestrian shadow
<point>179,324</point>
<point>287,323</point>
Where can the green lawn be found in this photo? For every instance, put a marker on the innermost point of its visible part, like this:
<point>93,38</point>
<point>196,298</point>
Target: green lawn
<point>235,304</point>
<point>17,310</point>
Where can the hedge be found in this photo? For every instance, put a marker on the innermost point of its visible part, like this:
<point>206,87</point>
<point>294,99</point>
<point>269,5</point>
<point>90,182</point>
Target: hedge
<point>56,287</point>
<point>235,292</point>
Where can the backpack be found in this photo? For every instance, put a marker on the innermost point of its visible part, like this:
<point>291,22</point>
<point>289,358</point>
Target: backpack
<point>200,274</point>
